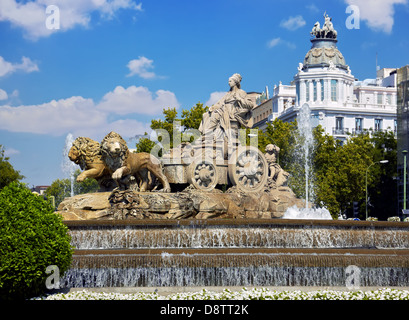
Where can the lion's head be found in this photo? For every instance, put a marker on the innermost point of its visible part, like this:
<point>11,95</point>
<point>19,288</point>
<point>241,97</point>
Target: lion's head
<point>84,151</point>
<point>114,150</point>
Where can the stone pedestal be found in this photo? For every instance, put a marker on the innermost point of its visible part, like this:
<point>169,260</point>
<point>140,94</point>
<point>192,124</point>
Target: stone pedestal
<point>190,203</point>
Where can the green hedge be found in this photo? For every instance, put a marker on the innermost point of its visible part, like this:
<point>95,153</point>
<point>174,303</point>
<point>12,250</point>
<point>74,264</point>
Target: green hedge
<point>32,238</point>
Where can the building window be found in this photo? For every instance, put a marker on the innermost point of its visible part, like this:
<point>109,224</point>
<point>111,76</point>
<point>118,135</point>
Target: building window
<point>339,123</point>
<point>389,99</point>
<point>275,106</point>
<point>378,124</point>
<point>322,89</point>
<point>315,90</point>
<point>334,87</point>
<point>339,126</point>
<point>307,92</point>
<point>297,89</point>
<point>380,98</point>
<point>359,125</point>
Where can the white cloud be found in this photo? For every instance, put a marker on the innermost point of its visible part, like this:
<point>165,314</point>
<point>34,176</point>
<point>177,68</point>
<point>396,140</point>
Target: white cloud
<point>313,8</point>
<point>126,128</point>
<point>378,14</point>
<point>110,7</point>
<point>55,117</point>
<point>214,97</point>
<point>273,42</point>
<point>141,67</point>
<point>31,16</point>
<point>278,41</point>
<point>82,116</point>
<point>3,95</point>
<point>26,65</point>
<point>293,23</point>
<point>137,100</point>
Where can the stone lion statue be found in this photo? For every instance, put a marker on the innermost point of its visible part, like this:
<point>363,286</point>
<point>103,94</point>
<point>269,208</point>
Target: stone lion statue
<point>127,165</point>
<point>87,154</point>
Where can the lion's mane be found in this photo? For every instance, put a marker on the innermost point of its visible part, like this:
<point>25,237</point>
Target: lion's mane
<point>88,151</point>
<point>117,161</point>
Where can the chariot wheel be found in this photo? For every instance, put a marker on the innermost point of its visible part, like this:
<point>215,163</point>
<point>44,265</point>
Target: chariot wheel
<point>248,169</point>
<point>203,175</point>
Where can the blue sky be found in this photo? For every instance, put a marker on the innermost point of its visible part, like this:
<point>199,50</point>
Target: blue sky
<point>115,64</point>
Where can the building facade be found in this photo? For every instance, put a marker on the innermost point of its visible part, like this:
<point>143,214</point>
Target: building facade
<point>338,102</point>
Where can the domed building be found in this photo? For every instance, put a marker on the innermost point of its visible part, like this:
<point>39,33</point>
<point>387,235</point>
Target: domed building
<point>339,103</point>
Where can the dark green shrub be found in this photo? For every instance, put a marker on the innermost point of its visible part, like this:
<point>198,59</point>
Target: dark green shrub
<point>32,237</point>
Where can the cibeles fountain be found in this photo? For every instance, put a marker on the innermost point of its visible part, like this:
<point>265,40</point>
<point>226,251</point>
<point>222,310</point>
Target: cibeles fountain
<point>215,177</point>
<point>210,213</point>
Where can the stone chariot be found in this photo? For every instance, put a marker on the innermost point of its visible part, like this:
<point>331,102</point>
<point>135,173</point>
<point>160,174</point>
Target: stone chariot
<point>204,165</point>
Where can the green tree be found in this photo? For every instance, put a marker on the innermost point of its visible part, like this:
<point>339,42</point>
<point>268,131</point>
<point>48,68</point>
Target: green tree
<point>32,238</point>
<point>144,144</point>
<point>283,135</point>
<point>7,173</point>
<point>192,118</point>
<point>324,159</point>
<point>167,125</point>
<point>61,188</point>
<point>261,139</point>
<point>170,136</point>
<point>341,173</point>
<point>382,189</point>
<point>352,160</point>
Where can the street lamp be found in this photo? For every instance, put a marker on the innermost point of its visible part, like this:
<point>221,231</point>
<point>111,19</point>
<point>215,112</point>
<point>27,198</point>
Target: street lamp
<point>366,185</point>
<point>404,152</point>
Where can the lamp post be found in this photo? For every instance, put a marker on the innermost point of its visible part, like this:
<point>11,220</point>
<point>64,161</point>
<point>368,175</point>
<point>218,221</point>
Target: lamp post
<point>366,185</point>
<point>404,152</point>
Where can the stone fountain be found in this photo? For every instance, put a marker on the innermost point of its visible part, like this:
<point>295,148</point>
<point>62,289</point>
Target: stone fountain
<point>210,213</point>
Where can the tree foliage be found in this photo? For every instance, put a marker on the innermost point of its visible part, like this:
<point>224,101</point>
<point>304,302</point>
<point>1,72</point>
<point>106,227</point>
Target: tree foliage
<point>32,238</point>
<point>144,144</point>
<point>339,169</point>
<point>192,118</point>
<point>7,173</point>
<point>61,188</point>
<point>283,135</point>
<point>171,128</point>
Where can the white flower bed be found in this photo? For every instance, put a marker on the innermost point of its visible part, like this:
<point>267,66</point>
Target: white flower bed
<point>244,294</point>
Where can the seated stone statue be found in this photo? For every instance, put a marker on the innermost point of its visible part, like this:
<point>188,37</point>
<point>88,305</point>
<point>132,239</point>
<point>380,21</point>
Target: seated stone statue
<point>224,118</point>
<point>277,177</point>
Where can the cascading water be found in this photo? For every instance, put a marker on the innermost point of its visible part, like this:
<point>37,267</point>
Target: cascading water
<point>307,213</point>
<point>224,253</point>
<point>285,234</point>
<point>68,166</point>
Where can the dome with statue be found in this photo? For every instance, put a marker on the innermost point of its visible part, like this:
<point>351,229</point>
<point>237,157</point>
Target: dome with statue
<point>324,51</point>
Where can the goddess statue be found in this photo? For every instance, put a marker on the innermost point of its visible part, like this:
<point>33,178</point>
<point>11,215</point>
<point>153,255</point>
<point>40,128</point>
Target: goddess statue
<point>225,117</point>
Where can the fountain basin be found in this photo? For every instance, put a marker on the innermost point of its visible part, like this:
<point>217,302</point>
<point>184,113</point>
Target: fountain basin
<point>232,252</point>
